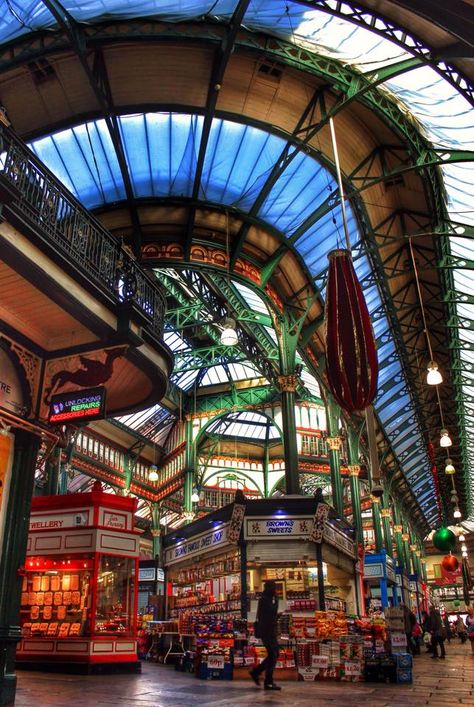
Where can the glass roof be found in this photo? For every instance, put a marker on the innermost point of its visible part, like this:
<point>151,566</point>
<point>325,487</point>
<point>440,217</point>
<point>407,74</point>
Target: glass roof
<point>239,157</point>
<point>244,425</point>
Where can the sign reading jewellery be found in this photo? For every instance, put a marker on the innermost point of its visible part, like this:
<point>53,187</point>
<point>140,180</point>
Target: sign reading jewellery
<point>198,545</point>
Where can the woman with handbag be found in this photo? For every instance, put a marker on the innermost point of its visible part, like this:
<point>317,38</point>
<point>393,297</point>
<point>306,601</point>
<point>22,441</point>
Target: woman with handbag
<point>266,628</point>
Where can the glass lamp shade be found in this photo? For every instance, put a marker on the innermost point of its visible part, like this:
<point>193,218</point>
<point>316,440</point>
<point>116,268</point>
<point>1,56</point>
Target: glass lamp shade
<point>449,468</point>
<point>464,554</point>
<point>153,473</point>
<point>457,513</point>
<point>433,377</point>
<point>461,538</point>
<point>445,439</point>
<point>464,548</point>
<point>229,335</point>
<point>195,496</point>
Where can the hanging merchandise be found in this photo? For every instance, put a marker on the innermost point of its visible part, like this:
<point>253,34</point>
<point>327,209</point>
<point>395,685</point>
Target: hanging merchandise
<point>351,356</point>
<point>444,540</point>
<point>450,563</point>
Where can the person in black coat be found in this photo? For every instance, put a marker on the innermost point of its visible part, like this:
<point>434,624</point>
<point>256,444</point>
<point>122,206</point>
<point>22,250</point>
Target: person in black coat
<point>267,615</point>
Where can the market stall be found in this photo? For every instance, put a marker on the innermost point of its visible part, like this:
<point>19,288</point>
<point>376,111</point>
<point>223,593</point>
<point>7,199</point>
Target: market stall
<point>79,599</point>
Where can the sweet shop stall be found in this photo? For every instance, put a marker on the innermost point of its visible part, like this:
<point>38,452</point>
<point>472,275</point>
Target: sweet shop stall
<point>79,594</point>
<point>215,569</point>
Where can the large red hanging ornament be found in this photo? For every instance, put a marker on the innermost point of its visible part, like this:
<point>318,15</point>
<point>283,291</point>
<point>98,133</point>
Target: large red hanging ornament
<point>351,355</point>
<point>450,563</point>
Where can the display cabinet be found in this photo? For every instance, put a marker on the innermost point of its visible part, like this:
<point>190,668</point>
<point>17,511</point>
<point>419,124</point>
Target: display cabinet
<point>79,591</point>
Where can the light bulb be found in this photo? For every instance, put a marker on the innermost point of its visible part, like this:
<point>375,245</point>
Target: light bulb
<point>457,513</point>
<point>461,538</point>
<point>464,548</point>
<point>445,439</point>
<point>195,496</point>
<point>464,554</point>
<point>229,335</point>
<point>153,473</point>
<point>449,468</point>
<point>433,377</point>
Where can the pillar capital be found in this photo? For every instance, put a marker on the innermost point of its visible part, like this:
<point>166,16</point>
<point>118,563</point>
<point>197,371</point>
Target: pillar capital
<point>354,469</point>
<point>334,443</point>
<point>156,532</point>
<point>397,529</point>
<point>287,383</point>
<point>385,512</point>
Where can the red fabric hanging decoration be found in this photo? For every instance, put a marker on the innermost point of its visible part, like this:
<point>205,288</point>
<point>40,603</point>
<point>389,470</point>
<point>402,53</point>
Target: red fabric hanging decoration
<point>351,355</point>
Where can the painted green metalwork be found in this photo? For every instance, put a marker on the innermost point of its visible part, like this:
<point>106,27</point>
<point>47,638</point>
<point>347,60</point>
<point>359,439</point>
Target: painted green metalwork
<point>377,527</point>
<point>255,397</point>
<point>221,60</point>
<point>353,459</point>
<point>332,415</point>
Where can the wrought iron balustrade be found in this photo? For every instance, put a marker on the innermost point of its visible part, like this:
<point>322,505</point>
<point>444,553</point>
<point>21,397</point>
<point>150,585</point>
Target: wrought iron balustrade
<point>38,196</point>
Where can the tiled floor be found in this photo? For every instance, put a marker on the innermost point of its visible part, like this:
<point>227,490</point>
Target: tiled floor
<point>436,683</point>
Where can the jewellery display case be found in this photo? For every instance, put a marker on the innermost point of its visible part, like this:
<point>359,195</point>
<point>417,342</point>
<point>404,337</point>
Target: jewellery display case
<point>79,591</point>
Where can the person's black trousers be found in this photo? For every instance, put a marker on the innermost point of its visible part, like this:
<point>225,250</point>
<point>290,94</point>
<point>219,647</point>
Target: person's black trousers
<point>268,664</point>
<point>434,644</point>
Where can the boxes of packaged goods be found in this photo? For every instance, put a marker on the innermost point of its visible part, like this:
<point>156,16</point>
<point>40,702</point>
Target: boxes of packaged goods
<point>404,661</point>
<point>404,676</point>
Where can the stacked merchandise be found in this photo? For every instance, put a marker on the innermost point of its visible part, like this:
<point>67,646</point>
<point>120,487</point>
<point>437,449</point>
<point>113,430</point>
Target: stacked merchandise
<point>214,647</point>
<point>352,658</point>
<point>404,667</point>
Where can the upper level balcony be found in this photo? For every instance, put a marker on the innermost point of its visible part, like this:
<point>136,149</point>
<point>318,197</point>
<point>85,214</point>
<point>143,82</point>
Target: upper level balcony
<point>77,310</point>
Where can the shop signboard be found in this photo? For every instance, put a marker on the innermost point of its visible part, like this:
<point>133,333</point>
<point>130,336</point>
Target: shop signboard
<point>398,639</point>
<point>146,574</point>
<point>321,662</point>
<point>11,393</point>
<point>319,520</point>
<point>205,542</point>
<point>215,662</point>
<point>308,674</point>
<point>236,521</point>
<point>77,406</point>
<point>278,527</point>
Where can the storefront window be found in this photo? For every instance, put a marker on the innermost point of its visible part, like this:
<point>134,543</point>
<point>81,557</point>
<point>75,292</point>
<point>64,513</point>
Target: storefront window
<point>115,595</point>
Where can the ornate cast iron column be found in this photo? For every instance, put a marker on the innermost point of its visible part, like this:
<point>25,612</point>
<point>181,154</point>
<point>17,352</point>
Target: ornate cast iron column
<point>334,442</point>
<point>287,385</point>
<point>13,552</point>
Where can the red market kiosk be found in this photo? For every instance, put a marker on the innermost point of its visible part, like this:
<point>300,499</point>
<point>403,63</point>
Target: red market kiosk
<point>79,591</point>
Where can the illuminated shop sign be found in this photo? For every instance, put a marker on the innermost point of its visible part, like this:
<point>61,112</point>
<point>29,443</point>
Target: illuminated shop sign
<point>78,406</point>
<point>200,544</point>
<point>278,527</point>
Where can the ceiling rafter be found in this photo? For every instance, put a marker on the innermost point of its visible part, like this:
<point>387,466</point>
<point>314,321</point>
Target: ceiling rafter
<point>99,83</point>
<point>221,60</point>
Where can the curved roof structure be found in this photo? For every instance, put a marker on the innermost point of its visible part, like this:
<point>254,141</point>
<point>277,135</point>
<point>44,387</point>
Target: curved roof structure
<point>199,132</point>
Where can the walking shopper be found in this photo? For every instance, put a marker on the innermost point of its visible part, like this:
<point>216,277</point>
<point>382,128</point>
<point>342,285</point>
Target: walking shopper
<point>470,627</point>
<point>266,629</point>
<point>460,627</point>
<point>438,633</point>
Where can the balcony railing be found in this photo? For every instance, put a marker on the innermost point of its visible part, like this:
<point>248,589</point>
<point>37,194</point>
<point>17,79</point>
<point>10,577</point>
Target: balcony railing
<point>41,200</point>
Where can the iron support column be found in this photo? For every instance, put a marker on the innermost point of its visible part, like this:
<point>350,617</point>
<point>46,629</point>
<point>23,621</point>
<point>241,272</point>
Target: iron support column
<point>354,471</point>
<point>13,552</point>
<point>377,525</point>
<point>287,396</point>
<point>387,534</point>
<point>189,467</point>
<point>53,466</point>
<point>334,442</point>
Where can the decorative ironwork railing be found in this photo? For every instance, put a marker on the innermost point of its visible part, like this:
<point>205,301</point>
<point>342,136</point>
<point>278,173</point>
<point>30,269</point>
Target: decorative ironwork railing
<point>38,196</point>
